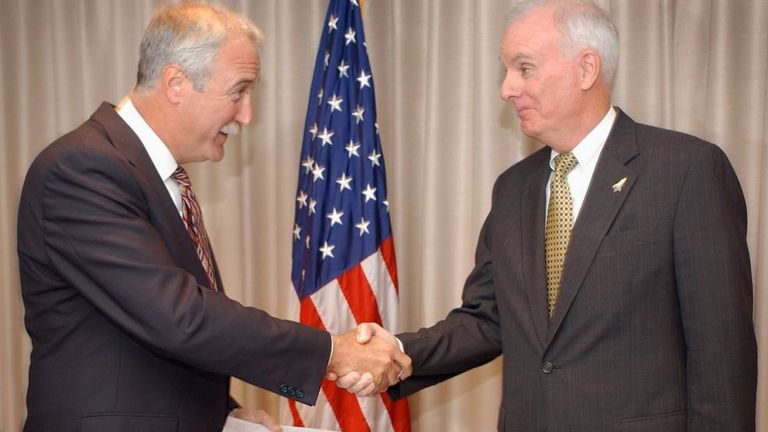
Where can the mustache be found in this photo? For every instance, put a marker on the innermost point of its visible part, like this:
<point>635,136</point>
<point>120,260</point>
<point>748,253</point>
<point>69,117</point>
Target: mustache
<point>231,128</point>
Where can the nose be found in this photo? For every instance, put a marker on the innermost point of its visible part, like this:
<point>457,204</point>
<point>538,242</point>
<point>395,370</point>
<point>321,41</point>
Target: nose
<point>510,87</point>
<point>244,114</point>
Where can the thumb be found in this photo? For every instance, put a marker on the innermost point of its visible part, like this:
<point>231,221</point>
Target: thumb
<point>364,333</point>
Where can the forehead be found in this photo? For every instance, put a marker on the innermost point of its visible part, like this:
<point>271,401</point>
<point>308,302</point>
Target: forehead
<point>532,34</point>
<point>238,55</point>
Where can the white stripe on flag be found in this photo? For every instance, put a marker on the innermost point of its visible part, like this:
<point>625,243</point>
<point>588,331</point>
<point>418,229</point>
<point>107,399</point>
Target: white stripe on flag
<point>333,308</point>
<point>376,414</point>
<point>376,272</point>
<point>321,415</point>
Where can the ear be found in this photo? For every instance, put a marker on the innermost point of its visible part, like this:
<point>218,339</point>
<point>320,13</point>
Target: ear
<point>173,82</point>
<point>589,68</point>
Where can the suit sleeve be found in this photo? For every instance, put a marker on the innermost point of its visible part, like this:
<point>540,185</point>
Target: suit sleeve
<point>714,283</point>
<point>468,337</point>
<point>100,238</point>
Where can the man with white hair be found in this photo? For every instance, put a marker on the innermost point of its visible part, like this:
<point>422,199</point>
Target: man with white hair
<point>130,328</point>
<point>612,272</point>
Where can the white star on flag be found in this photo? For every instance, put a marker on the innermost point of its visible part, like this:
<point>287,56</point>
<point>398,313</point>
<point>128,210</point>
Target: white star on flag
<point>350,36</point>
<point>363,78</point>
<point>363,226</point>
<point>326,135</point>
<point>343,69</point>
<point>302,199</point>
<point>374,158</point>
<point>352,148</point>
<point>332,24</point>
<point>308,163</point>
<point>335,217</point>
<point>344,181</point>
<point>335,103</point>
<point>296,231</point>
<point>317,172</point>
<point>370,193</point>
<point>358,114</point>
<point>327,250</point>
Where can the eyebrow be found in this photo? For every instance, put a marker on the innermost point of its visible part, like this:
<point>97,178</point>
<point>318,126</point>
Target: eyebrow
<point>520,57</point>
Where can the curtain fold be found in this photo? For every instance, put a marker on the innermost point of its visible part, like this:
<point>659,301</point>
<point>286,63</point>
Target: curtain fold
<point>698,66</point>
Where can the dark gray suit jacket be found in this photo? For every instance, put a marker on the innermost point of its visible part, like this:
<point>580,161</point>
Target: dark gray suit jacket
<point>126,335</point>
<point>653,327</point>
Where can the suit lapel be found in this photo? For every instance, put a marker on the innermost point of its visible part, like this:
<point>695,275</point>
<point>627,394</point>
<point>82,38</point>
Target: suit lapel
<point>533,219</point>
<point>601,205</point>
<point>167,218</point>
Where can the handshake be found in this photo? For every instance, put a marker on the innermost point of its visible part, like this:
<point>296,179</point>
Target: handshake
<point>367,360</point>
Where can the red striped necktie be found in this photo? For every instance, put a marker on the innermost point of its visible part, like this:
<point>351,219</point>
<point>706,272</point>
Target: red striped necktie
<point>193,222</point>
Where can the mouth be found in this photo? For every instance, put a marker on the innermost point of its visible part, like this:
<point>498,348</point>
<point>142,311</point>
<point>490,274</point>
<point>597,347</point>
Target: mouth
<point>231,128</point>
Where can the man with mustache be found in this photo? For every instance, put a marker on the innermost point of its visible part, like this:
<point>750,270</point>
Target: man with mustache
<point>130,327</point>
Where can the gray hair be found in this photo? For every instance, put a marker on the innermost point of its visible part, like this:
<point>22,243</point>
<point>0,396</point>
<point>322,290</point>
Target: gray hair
<point>188,35</point>
<point>584,25</point>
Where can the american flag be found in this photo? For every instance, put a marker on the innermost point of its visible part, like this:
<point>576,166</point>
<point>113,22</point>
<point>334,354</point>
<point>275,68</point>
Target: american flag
<point>344,268</point>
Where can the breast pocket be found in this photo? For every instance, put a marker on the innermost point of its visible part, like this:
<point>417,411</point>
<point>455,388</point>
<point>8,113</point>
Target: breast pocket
<point>672,422</point>
<point>628,240</point>
<point>119,422</point>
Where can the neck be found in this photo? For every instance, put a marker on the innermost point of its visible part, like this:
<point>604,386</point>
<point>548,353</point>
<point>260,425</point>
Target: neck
<point>154,110</point>
<point>581,125</point>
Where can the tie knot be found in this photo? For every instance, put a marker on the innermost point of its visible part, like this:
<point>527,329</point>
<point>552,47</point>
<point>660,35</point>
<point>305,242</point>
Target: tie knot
<point>564,163</point>
<point>180,175</point>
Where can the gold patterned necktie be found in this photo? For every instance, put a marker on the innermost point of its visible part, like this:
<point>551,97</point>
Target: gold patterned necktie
<point>193,222</point>
<point>559,223</point>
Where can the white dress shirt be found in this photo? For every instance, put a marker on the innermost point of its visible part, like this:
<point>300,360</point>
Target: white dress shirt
<point>587,153</point>
<point>162,159</point>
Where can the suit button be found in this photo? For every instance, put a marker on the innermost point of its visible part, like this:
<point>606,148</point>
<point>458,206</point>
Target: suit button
<point>284,389</point>
<point>300,394</point>
<point>547,368</point>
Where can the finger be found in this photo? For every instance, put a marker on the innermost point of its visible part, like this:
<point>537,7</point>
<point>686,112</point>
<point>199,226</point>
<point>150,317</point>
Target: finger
<point>367,391</point>
<point>365,380</point>
<point>405,364</point>
<point>331,376</point>
<point>365,332</point>
<point>347,380</point>
<point>393,375</point>
<point>266,420</point>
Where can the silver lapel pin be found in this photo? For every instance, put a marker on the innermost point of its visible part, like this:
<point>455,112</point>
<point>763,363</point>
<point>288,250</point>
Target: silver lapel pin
<point>619,184</point>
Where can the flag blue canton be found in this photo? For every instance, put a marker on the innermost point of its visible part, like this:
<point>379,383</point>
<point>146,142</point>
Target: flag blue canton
<point>342,213</point>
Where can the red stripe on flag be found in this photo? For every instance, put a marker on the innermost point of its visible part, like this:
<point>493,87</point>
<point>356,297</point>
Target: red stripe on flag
<point>357,291</point>
<point>308,314</point>
<point>345,407</point>
<point>387,250</point>
<point>297,421</point>
<point>399,413</point>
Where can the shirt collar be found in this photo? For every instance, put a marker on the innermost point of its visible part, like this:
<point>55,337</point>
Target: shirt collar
<point>161,157</point>
<point>587,150</point>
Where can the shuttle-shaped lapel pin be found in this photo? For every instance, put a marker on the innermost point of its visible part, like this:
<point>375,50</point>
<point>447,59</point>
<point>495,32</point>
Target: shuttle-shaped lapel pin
<point>619,184</point>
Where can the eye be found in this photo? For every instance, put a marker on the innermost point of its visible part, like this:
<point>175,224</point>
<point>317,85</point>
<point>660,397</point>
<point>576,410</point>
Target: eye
<point>526,69</point>
<point>239,93</point>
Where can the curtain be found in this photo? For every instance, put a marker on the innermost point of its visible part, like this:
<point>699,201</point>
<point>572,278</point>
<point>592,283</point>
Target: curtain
<point>698,66</point>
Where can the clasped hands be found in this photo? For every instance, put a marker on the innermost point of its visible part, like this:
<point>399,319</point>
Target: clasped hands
<point>366,360</point>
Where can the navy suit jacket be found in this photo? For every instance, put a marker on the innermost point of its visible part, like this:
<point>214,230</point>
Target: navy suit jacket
<point>126,334</point>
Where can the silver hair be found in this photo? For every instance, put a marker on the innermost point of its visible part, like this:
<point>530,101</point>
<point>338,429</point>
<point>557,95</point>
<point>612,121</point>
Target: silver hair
<point>188,35</point>
<point>584,25</point>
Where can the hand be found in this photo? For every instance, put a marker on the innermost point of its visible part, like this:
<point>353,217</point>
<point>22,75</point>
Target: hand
<point>257,416</point>
<point>362,383</point>
<point>374,363</point>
